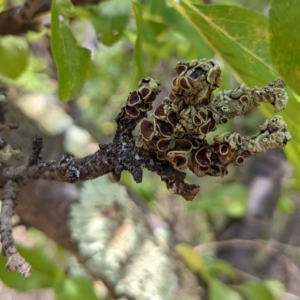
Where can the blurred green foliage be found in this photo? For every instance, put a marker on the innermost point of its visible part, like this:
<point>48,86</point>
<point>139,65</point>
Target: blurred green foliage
<point>46,274</point>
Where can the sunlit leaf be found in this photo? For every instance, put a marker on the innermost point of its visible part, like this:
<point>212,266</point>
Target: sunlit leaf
<point>220,291</point>
<point>285,40</point>
<point>190,257</point>
<point>256,290</point>
<point>75,288</point>
<point>72,61</point>
<point>14,56</point>
<point>218,267</point>
<point>275,287</point>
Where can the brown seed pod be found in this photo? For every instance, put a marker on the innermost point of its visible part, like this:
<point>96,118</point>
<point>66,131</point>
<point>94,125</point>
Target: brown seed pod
<point>159,112</point>
<point>215,147</point>
<point>132,112</point>
<point>172,96</point>
<point>172,117</point>
<point>201,157</point>
<point>204,129</point>
<point>134,99</point>
<point>147,129</point>
<point>212,125</point>
<point>147,95</point>
<point>225,172</point>
<point>205,101</point>
<point>244,98</point>
<point>174,82</point>
<point>203,114</point>
<point>180,162</point>
<point>223,149</point>
<point>161,155</point>
<point>165,129</point>
<point>181,67</point>
<point>224,120</point>
<point>184,83</point>
<point>240,160</point>
<point>163,145</point>
<point>238,139</point>
<point>182,145</point>
<point>144,106</point>
<point>197,121</point>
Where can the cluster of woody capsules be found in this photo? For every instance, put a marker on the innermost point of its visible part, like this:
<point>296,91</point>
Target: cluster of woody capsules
<point>176,130</point>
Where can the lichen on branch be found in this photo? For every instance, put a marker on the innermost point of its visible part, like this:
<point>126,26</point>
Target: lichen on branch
<point>171,140</point>
<point>176,131</point>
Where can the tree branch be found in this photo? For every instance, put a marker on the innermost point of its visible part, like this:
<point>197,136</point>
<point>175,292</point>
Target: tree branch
<point>172,139</point>
<point>15,262</point>
<point>20,19</point>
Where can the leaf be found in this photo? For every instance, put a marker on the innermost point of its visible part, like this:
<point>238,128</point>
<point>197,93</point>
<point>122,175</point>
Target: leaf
<point>180,25</point>
<point>285,204</point>
<point>238,34</point>
<point>240,37</point>
<point>73,62</point>
<point>14,56</point>
<point>230,199</point>
<point>75,288</point>
<point>219,291</point>
<point>217,267</point>
<point>44,273</point>
<point>139,71</point>
<point>110,19</point>
<point>190,257</point>
<point>275,287</point>
<point>284,40</point>
<point>256,290</point>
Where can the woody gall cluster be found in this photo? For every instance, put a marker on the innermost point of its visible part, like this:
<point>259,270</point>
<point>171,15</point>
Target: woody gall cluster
<point>176,130</point>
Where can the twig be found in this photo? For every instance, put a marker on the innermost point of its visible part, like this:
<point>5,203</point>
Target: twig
<point>15,261</point>
<point>36,155</point>
<point>21,19</point>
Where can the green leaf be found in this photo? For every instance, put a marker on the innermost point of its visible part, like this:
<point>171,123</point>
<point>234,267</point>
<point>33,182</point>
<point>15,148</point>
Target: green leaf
<point>219,291</point>
<point>44,273</point>
<point>14,56</point>
<point>240,37</point>
<point>230,199</point>
<point>285,204</point>
<point>139,71</point>
<point>72,61</point>
<point>284,40</point>
<point>275,287</point>
<point>190,257</point>
<point>110,19</point>
<point>75,288</point>
<point>217,267</point>
<point>180,25</point>
<point>256,290</point>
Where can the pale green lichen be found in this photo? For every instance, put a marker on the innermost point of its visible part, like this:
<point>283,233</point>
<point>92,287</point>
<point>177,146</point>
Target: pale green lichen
<point>191,111</point>
<point>118,246</point>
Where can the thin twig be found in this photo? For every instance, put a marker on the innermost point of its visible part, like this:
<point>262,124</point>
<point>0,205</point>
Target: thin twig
<point>15,261</point>
<point>21,19</point>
